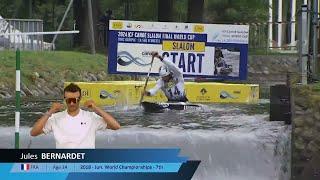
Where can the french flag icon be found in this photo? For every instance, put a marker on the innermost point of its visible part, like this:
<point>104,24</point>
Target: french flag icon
<point>25,167</point>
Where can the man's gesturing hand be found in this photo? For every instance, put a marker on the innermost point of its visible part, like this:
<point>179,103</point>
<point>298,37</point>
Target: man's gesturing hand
<point>90,104</point>
<point>56,107</point>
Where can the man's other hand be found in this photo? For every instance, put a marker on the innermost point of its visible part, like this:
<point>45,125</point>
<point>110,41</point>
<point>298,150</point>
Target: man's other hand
<point>56,107</point>
<point>90,104</point>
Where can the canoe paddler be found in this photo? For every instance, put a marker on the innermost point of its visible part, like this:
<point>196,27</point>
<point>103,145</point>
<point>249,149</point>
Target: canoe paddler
<point>171,81</point>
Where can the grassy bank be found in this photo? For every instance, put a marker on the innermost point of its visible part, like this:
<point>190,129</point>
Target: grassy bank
<point>43,73</point>
<point>51,66</point>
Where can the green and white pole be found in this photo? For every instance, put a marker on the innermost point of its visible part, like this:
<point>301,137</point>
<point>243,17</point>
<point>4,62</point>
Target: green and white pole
<point>18,94</point>
<point>18,107</point>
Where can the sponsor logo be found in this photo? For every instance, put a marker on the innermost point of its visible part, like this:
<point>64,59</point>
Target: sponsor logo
<point>85,93</point>
<point>106,95</point>
<point>226,95</point>
<point>117,25</point>
<point>129,25</point>
<point>124,58</point>
<point>237,92</point>
<point>164,26</point>
<point>198,28</point>
<point>138,26</point>
<point>203,97</point>
<point>203,91</point>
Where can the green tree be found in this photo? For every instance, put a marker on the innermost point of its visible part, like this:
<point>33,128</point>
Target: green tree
<point>138,9</point>
<point>195,10</point>
<point>227,11</point>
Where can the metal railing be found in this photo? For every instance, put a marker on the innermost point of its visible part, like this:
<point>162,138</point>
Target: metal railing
<point>23,42</point>
<point>258,36</point>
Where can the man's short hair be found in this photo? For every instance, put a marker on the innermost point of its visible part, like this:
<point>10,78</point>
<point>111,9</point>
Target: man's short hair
<point>72,88</point>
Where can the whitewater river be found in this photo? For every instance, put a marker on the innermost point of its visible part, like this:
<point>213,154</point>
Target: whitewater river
<point>233,142</point>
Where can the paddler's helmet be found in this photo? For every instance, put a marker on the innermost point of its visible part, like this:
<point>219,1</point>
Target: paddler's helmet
<point>163,71</point>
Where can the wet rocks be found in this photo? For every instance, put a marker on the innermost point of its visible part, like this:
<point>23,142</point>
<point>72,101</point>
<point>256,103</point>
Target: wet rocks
<point>306,133</point>
<point>4,94</point>
<point>48,84</point>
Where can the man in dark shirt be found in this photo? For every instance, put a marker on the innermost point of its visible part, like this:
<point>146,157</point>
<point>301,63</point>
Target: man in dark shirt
<point>104,20</point>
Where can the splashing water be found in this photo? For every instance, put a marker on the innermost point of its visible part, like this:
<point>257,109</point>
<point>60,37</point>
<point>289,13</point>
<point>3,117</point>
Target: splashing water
<point>233,142</point>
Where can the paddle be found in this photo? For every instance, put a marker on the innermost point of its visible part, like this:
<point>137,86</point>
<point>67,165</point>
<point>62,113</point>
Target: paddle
<point>145,84</point>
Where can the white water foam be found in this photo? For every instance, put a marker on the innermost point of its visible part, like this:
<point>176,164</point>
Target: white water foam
<point>253,151</point>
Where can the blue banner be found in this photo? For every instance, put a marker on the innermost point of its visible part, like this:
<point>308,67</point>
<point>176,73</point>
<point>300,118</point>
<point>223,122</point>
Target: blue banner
<point>198,50</point>
<point>95,164</point>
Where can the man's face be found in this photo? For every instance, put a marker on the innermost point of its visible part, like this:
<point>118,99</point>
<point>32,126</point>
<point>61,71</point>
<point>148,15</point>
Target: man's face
<point>166,78</point>
<point>72,100</point>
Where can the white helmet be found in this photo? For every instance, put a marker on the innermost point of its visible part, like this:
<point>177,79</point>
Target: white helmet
<point>163,71</point>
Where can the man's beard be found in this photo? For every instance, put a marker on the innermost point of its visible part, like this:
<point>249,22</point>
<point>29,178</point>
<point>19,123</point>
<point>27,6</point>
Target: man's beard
<point>73,108</point>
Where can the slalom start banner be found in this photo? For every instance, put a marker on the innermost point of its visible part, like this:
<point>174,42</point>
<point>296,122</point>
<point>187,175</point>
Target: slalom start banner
<point>198,50</point>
